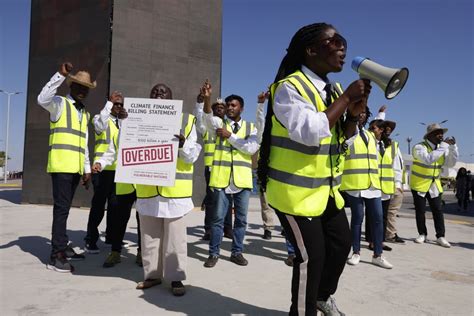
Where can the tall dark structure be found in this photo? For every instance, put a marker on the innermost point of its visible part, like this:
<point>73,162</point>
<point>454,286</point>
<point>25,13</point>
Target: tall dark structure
<point>127,46</point>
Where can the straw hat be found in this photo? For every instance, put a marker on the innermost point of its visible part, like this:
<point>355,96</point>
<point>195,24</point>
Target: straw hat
<point>83,78</point>
<point>433,128</point>
<point>390,124</point>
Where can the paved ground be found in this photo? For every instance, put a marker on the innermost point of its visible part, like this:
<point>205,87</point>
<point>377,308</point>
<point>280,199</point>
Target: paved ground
<point>426,280</point>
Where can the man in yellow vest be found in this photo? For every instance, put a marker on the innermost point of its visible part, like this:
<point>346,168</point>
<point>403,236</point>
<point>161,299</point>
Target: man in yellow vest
<point>218,109</point>
<point>231,174</point>
<point>106,126</point>
<point>429,156</point>
<point>68,158</point>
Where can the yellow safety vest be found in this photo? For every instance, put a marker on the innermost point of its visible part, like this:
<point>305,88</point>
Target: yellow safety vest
<point>361,167</point>
<point>229,161</point>
<point>386,172</point>
<point>423,175</point>
<point>102,142</point>
<point>209,147</point>
<point>67,141</point>
<point>301,178</point>
<point>183,186</point>
<point>124,188</point>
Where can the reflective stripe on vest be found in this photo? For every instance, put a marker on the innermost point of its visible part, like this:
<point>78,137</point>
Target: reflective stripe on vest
<point>361,168</point>
<point>67,141</point>
<point>183,186</point>
<point>387,174</point>
<point>229,161</point>
<point>102,142</point>
<point>423,175</point>
<point>209,147</point>
<point>301,178</point>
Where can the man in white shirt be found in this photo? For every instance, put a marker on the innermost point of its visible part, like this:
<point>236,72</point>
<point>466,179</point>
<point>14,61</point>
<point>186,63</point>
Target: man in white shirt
<point>231,174</point>
<point>68,158</point>
<point>429,157</point>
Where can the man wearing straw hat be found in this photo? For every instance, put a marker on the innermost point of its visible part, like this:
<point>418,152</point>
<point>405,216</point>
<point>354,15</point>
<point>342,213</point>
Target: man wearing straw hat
<point>429,157</point>
<point>68,157</point>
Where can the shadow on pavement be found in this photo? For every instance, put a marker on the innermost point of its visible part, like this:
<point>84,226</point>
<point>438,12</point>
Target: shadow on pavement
<point>11,195</point>
<point>203,302</point>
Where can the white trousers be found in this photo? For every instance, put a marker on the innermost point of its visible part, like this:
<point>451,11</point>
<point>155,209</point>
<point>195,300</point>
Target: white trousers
<point>164,247</point>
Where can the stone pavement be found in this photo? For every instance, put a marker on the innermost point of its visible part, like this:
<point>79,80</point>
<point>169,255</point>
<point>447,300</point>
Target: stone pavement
<point>426,279</point>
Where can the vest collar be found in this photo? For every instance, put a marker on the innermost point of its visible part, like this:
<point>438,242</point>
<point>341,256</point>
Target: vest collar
<point>316,80</point>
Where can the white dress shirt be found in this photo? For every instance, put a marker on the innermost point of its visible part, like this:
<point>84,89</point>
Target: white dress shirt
<point>248,146</point>
<point>101,120</point>
<point>450,153</point>
<point>54,104</point>
<point>198,113</point>
<point>260,121</point>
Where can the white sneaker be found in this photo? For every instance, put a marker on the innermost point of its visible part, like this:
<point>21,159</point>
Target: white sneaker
<point>443,242</point>
<point>354,259</point>
<point>382,262</point>
<point>420,239</point>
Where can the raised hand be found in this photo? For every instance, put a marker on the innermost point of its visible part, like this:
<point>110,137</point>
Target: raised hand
<point>206,90</point>
<point>116,96</point>
<point>65,68</point>
<point>263,96</point>
<point>383,108</point>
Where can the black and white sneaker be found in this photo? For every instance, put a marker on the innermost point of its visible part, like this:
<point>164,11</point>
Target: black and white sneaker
<point>91,248</point>
<point>72,255</point>
<point>59,263</point>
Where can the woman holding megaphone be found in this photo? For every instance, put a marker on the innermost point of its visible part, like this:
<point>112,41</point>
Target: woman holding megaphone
<point>301,161</point>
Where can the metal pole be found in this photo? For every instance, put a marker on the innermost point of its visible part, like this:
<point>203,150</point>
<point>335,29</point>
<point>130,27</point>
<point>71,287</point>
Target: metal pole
<point>5,169</point>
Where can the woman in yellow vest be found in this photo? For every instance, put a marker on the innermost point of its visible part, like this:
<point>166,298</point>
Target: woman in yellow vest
<point>429,156</point>
<point>162,211</point>
<point>361,183</point>
<point>301,161</point>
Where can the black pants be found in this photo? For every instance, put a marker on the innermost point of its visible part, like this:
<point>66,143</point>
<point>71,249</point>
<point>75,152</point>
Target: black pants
<point>322,245</point>
<point>436,209</point>
<point>209,204</point>
<point>121,215</point>
<point>368,221</point>
<point>64,187</point>
<point>104,191</point>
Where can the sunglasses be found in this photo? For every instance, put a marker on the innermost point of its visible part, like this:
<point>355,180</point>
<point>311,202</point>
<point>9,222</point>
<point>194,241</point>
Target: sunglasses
<point>336,40</point>
<point>118,104</point>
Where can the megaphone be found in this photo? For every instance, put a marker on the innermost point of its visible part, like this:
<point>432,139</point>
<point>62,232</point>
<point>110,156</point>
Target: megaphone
<point>390,80</point>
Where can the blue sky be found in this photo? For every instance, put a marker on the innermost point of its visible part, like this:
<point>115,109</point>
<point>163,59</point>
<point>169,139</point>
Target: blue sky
<point>432,38</point>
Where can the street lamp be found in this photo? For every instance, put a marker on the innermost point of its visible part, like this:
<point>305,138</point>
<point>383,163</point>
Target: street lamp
<point>409,139</point>
<point>9,94</point>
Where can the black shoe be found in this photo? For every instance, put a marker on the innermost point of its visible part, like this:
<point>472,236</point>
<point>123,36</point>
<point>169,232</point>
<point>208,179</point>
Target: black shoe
<point>91,248</point>
<point>112,259</point>
<point>267,234</point>
<point>396,240</point>
<point>59,263</point>
<point>177,288</point>
<point>72,255</point>
<point>211,261</point>
<point>385,247</point>
<point>228,233</point>
<point>289,260</point>
<point>239,259</point>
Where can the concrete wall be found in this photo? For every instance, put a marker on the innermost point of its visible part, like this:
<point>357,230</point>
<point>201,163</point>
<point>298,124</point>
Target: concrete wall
<point>152,41</point>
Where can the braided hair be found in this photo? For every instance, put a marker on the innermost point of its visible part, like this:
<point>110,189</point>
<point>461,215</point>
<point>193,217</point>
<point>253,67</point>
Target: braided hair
<point>293,60</point>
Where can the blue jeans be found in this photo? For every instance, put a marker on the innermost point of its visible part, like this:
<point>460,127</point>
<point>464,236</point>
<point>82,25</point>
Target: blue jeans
<point>222,202</point>
<point>374,209</point>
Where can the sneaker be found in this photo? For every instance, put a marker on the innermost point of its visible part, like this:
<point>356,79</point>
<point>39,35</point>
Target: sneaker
<point>228,233</point>
<point>177,288</point>
<point>72,255</point>
<point>443,242</point>
<point>289,260</point>
<point>91,248</point>
<point>138,259</point>
<point>59,263</point>
<point>112,259</point>
<point>420,239</point>
<point>329,308</point>
<point>396,240</point>
<point>148,283</point>
<point>354,259</point>
<point>381,262</point>
<point>267,234</point>
<point>211,261</point>
<point>239,259</point>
